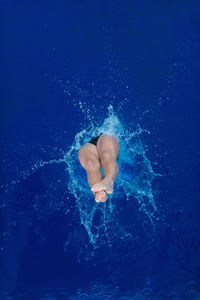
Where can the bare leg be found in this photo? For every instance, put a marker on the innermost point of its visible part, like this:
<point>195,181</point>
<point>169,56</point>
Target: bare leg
<point>89,159</point>
<point>93,171</point>
<point>108,148</point>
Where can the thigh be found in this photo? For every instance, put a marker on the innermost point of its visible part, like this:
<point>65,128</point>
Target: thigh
<point>108,143</point>
<point>88,152</point>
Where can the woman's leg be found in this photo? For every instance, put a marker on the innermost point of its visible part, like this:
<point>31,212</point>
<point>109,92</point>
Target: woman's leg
<point>89,159</point>
<point>108,149</point>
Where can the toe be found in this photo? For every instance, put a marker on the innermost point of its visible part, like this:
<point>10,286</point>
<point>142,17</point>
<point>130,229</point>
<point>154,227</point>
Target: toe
<point>101,197</point>
<point>97,189</point>
<point>102,194</point>
<point>109,191</point>
<point>97,197</point>
<point>104,197</point>
<point>94,188</point>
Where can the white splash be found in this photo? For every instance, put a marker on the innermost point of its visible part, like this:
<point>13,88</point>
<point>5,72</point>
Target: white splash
<point>133,182</point>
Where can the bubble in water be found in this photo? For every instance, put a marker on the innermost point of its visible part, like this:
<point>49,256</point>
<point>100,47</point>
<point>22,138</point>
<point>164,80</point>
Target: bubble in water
<point>115,277</point>
<point>84,296</point>
<point>173,296</point>
<point>147,293</point>
<point>193,285</point>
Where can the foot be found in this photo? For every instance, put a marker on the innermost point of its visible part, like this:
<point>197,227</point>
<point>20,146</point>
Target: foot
<point>105,185</point>
<point>100,196</point>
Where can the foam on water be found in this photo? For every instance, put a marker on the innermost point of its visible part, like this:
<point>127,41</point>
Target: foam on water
<point>133,182</point>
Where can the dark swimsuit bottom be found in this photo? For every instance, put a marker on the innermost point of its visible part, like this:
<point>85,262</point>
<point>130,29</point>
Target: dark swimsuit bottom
<point>94,140</point>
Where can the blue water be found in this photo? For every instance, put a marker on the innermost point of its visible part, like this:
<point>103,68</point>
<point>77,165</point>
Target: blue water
<point>73,69</point>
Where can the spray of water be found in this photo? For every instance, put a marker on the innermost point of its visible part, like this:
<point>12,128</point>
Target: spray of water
<point>133,182</point>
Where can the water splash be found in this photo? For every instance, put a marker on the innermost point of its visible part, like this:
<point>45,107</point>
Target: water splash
<point>102,222</point>
<point>133,182</point>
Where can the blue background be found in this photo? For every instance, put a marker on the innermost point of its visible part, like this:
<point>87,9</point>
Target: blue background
<point>146,51</point>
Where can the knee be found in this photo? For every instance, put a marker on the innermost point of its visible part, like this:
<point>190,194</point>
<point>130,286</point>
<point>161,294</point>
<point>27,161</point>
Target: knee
<point>92,164</point>
<point>106,156</point>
